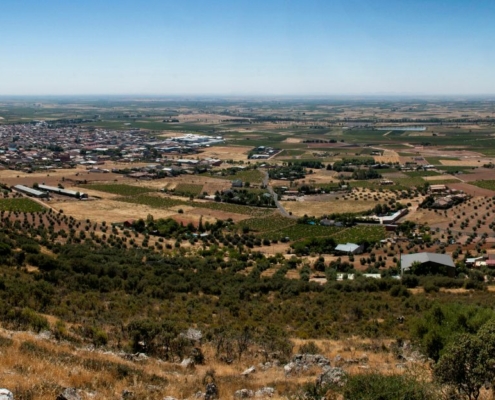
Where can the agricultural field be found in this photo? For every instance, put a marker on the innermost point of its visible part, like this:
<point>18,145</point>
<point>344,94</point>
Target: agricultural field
<point>253,176</point>
<point>489,184</point>
<point>23,205</point>
<point>263,225</point>
<point>164,202</point>
<point>188,189</point>
<point>300,231</point>
<point>319,208</point>
<point>119,189</point>
<point>154,201</point>
<point>235,208</point>
<point>358,234</point>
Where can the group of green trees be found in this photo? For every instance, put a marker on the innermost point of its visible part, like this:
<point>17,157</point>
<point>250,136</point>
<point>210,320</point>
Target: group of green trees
<point>255,198</point>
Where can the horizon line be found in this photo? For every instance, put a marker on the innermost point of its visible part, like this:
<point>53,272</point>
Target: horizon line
<point>260,95</point>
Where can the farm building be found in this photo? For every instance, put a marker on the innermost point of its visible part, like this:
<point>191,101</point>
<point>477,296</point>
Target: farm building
<point>237,183</point>
<point>349,248</point>
<point>438,188</point>
<point>186,161</point>
<point>30,192</point>
<point>64,192</point>
<point>390,219</point>
<point>428,263</point>
<point>475,261</point>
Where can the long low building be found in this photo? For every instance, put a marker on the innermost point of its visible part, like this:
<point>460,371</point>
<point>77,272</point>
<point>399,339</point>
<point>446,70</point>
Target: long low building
<point>30,191</point>
<point>65,192</point>
<point>428,263</point>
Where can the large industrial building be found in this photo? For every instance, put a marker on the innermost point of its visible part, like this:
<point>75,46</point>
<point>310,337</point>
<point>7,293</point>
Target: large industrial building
<point>30,191</point>
<point>64,192</point>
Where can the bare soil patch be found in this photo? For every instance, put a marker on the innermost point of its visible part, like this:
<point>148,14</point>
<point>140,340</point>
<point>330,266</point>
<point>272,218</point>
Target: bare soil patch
<point>318,208</point>
<point>293,140</point>
<point>108,210</point>
<point>442,177</point>
<point>472,190</point>
<point>216,214</point>
<point>388,156</point>
<point>236,153</point>
<point>468,162</point>
<point>479,174</point>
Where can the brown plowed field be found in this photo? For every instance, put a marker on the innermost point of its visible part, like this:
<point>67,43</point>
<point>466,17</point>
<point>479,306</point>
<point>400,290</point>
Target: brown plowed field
<point>471,189</point>
<point>479,175</point>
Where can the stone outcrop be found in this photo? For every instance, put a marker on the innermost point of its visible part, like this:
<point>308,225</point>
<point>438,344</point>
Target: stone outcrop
<point>69,394</point>
<point>6,394</point>
<point>333,376</point>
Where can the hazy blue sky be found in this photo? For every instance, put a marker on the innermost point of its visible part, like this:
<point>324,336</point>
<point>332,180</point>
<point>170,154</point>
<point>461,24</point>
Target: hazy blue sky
<point>322,47</point>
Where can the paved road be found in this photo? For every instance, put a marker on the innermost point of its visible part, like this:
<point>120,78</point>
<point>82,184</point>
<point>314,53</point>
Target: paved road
<point>281,209</point>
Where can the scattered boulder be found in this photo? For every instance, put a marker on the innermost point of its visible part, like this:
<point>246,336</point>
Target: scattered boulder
<point>302,362</point>
<point>334,376</point>
<point>265,392</point>
<point>243,394</point>
<point>133,357</point>
<point>187,363</point>
<point>69,394</point>
<point>249,371</point>
<point>193,335</point>
<point>169,398</point>
<point>6,394</point>
<point>288,368</point>
<point>311,359</point>
<point>211,391</point>
<point>127,395</point>
<point>47,335</point>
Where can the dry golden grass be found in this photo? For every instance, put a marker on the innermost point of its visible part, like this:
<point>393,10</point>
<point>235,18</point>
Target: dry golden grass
<point>388,156</point>
<point>36,368</point>
<point>108,210</point>
<point>235,153</point>
<point>440,178</point>
<point>300,208</point>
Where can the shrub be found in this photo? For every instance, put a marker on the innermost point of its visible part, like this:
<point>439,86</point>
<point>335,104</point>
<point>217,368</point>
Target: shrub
<point>310,348</point>
<point>388,387</point>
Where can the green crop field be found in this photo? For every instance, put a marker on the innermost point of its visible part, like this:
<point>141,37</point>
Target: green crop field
<point>120,189</point>
<point>20,205</point>
<point>444,181</point>
<point>253,176</point>
<point>301,231</point>
<point>273,223</point>
<point>484,184</point>
<point>188,189</point>
<point>399,183</point>
<point>416,174</point>
<point>438,160</point>
<point>290,153</point>
<point>236,208</point>
<point>453,169</point>
<point>153,201</point>
<point>357,234</point>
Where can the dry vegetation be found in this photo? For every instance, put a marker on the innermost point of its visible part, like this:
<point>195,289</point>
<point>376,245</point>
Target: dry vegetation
<point>36,367</point>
